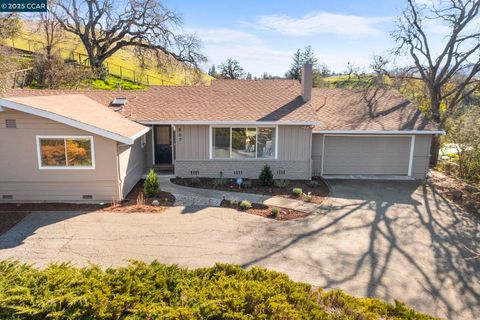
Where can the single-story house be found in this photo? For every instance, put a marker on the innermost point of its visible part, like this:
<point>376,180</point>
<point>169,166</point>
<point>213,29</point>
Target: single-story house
<point>88,145</point>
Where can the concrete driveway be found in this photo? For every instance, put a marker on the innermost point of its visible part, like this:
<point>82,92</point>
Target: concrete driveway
<point>383,239</point>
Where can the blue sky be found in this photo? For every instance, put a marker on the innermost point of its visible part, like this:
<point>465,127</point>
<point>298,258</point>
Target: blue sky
<point>264,34</point>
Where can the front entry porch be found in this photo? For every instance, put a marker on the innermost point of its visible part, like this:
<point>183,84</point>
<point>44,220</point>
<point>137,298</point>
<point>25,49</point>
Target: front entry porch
<point>163,148</point>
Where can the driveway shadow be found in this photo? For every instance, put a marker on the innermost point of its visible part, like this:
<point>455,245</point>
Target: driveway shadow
<point>31,223</point>
<point>390,240</point>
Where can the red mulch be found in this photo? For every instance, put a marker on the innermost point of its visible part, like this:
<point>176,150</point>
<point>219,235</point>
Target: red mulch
<point>132,203</point>
<point>265,211</point>
<point>318,193</point>
<point>9,219</point>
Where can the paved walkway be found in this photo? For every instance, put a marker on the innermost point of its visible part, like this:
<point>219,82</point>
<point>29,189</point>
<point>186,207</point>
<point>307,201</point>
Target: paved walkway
<point>186,196</point>
<point>392,240</point>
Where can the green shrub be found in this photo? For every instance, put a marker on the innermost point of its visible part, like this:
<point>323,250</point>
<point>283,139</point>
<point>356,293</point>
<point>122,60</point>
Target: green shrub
<point>233,202</point>
<point>266,176</point>
<point>275,211</point>
<point>297,192</point>
<point>219,182</point>
<point>281,183</point>
<point>247,184</point>
<point>313,184</point>
<point>308,197</point>
<point>150,186</point>
<point>195,181</point>
<point>158,291</point>
<point>245,205</point>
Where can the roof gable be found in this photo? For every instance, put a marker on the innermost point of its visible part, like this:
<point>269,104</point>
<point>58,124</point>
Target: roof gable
<point>79,112</point>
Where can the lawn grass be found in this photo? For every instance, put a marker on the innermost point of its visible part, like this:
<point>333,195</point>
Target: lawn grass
<point>158,291</point>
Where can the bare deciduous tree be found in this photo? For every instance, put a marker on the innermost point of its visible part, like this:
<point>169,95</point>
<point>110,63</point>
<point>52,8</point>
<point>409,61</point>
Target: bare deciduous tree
<point>450,74</point>
<point>10,25</point>
<point>231,69</point>
<point>106,26</point>
<point>51,30</point>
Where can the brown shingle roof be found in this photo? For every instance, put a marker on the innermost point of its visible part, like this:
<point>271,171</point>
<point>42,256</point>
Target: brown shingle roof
<point>263,100</point>
<point>224,100</point>
<point>81,112</point>
<point>372,110</point>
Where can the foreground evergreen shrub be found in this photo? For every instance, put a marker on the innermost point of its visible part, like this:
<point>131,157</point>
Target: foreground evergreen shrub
<point>150,186</point>
<point>157,291</point>
<point>266,176</point>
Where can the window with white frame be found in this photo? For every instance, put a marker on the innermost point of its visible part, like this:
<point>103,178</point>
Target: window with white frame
<point>243,142</point>
<point>65,152</point>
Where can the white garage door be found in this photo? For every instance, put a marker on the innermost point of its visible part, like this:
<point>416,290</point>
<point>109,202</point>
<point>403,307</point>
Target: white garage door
<point>367,155</point>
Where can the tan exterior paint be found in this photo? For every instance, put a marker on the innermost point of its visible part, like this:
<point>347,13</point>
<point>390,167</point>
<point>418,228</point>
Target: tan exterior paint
<point>421,156</point>
<point>392,162</point>
<point>132,163</point>
<point>21,177</point>
<point>192,155</point>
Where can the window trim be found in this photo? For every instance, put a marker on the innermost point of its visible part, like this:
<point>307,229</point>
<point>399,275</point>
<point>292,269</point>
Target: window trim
<point>39,153</point>
<point>230,126</point>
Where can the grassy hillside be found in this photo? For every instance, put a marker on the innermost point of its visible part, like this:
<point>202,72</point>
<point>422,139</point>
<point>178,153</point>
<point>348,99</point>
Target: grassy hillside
<point>122,64</point>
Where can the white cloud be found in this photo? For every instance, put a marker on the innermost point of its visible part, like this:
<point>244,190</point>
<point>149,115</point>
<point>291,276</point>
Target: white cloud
<point>252,52</point>
<point>320,23</point>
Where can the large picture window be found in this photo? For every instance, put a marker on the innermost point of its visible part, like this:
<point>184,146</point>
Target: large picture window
<point>65,152</point>
<point>243,143</point>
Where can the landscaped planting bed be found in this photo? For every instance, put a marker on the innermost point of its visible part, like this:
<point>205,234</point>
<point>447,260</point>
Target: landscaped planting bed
<point>9,219</point>
<point>157,291</point>
<point>136,201</point>
<point>318,193</point>
<point>133,202</point>
<point>266,211</point>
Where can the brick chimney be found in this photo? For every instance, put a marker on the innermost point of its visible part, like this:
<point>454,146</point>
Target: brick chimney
<point>307,82</point>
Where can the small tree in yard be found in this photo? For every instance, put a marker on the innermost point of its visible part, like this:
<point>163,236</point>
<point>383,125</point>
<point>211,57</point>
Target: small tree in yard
<point>150,186</point>
<point>266,176</point>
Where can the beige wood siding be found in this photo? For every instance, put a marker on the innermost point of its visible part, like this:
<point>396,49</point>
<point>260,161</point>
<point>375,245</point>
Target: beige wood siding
<point>21,177</point>
<point>192,155</point>
<point>421,156</point>
<point>317,148</point>
<point>294,143</point>
<point>132,164</point>
<point>191,142</point>
<point>367,155</point>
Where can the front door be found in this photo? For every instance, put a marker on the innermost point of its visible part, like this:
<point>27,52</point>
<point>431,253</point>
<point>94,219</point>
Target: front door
<point>163,144</point>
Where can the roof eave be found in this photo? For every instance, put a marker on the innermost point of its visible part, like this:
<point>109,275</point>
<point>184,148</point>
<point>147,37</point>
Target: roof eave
<point>211,122</point>
<point>5,103</point>
<point>380,132</point>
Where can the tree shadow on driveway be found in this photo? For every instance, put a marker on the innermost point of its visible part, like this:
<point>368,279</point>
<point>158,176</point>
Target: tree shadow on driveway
<point>31,223</point>
<point>390,240</point>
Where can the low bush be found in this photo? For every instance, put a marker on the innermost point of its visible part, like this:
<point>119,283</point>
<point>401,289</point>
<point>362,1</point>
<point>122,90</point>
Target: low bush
<point>158,291</point>
<point>266,176</point>
<point>247,184</point>
<point>245,204</point>
<point>307,197</point>
<point>275,211</point>
<point>219,182</point>
<point>313,184</point>
<point>281,183</point>
<point>195,181</point>
<point>150,186</point>
<point>297,192</point>
<point>233,202</point>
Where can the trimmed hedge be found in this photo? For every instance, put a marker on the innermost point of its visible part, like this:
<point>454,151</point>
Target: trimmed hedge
<point>151,291</point>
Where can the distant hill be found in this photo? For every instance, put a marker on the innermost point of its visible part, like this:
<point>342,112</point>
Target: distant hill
<point>122,64</point>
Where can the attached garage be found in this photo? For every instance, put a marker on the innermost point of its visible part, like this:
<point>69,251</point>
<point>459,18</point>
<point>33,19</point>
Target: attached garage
<point>379,155</point>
